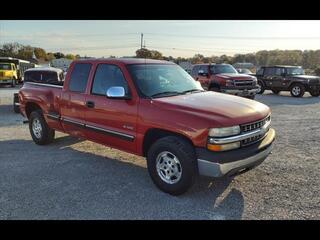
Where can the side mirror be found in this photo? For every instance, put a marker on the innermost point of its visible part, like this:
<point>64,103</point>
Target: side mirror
<point>116,93</point>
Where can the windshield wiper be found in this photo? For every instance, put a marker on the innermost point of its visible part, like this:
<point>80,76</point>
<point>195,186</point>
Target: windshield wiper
<point>192,90</point>
<point>167,93</point>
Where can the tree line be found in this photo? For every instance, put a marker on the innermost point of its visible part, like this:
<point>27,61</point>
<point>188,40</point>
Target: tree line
<point>25,52</point>
<point>308,59</point>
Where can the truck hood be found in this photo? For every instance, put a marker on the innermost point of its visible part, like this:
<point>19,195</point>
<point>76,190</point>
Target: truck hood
<point>223,109</point>
<point>235,76</point>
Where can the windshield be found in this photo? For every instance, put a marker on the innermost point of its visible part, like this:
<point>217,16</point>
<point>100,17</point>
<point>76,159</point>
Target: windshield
<point>158,80</point>
<point>5,66</point>
<point>295,71</point>
<point>225,68</point>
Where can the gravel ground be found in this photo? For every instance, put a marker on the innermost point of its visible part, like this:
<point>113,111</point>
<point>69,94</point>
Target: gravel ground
<point>76,179</point>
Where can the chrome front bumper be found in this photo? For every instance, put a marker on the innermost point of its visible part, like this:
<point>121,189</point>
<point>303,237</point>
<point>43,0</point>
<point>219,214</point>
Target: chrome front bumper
<point>240,92</point>
<point>212,169</point>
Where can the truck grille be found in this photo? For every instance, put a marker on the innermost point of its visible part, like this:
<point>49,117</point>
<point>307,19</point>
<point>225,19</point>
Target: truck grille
<point>251,127</point>
<point>243,83</point>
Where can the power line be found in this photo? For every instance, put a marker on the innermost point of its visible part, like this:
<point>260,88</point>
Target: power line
<point>232,37</point>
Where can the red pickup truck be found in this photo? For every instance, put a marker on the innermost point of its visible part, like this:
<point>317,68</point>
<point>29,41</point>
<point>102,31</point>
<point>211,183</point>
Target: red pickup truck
<point>225,78</point>
<point>153,109</point>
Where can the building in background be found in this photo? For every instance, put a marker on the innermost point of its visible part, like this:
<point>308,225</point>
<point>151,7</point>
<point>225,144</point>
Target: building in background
<point>62,63</point>
<point>186,66</point>
<point>245,65</point>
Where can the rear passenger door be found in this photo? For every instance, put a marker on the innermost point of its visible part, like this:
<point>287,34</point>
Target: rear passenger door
<point>111,121</point>
<point>73,100</point>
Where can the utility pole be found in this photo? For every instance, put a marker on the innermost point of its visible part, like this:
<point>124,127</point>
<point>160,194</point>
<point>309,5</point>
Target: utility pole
<point>141,40</point>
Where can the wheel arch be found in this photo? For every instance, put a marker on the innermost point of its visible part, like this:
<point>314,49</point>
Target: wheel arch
<point>154,134</point>
<point>30,107</point>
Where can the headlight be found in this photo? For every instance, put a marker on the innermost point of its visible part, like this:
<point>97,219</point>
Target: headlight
<point>229,82</point>
<point>223,147</point>
<point>223,132</point>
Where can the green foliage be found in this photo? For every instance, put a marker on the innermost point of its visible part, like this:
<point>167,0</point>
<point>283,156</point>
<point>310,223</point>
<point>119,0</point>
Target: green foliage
<point>317,71</point>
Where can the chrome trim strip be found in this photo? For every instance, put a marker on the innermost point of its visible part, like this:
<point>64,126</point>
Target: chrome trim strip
<point>56,117</point>
<point>44,84</point>
<point>110,131</point>
<point>17,104</point>
<point>67,120</point>
<point>225,140</point>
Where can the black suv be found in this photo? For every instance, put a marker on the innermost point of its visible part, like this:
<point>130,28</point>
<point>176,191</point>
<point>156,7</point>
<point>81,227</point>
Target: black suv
<point>287,78</point>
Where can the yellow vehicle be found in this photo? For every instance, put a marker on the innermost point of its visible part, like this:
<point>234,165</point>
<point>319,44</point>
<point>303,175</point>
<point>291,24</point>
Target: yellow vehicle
<point>8,74</point>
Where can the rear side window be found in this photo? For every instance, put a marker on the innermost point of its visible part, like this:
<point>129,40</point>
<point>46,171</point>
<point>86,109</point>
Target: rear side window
<point>79,77</point>
<point>107,76</point>
<point>269,71</point>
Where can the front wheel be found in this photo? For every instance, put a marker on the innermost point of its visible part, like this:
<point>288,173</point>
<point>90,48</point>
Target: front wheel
<point>262,88</point>
<point>315,93</point>
<point>41,133</point>
<point>171,164</point>
<point>297,90</point>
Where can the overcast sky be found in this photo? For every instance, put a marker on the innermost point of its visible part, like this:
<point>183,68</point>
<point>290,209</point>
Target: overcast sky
<point>175,38</point>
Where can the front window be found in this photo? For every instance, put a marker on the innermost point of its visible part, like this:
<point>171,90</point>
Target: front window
<point>159,80</point>
<point>225,68</point>
<point>295,71</point>
<point>5,66</point>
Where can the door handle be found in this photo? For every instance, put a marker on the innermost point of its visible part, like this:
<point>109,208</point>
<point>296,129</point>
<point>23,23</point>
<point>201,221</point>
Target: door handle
<point>90,104</point>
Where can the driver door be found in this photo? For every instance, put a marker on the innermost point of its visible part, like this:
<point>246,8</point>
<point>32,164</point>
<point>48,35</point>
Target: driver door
<point>111,121</point>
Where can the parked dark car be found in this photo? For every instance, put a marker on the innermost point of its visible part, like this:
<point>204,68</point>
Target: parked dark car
<point>287,78</point>
<point>225,78</point>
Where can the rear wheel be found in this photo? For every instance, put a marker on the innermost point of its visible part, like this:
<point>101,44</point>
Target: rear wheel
<point>41,133</point>
<point>315,93</point>
<point>275,91</point>
<point>297,90</point>
<point>13,83</point>
<point>172,164</point>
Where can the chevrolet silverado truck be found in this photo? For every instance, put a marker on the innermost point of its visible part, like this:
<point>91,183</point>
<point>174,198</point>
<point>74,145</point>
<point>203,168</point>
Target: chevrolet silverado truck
<point>287,78</point>
<point>8,74</point>
<point>225,78</point>
<point>154,109</point>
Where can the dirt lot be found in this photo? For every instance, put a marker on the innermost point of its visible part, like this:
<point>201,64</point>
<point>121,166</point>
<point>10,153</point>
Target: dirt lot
<point>76,179</point>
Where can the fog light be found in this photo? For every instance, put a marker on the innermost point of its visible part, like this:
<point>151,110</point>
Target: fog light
<point>223,147</point>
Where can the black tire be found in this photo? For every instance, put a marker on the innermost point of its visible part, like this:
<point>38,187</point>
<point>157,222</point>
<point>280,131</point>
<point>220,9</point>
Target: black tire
<point>46,135</point>
<point>297,90</point>
<point>262,88</point>
<point>315,93</point>
<point>275,91</point>
<point>16,109</point>
<point>184,152</point>
<point>251,97</point>
<point>13,83</point>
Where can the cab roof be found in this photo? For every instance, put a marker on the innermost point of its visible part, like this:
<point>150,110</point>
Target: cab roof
<point>284,66</point>
<point>52,69</point>
<point>126,61</point>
